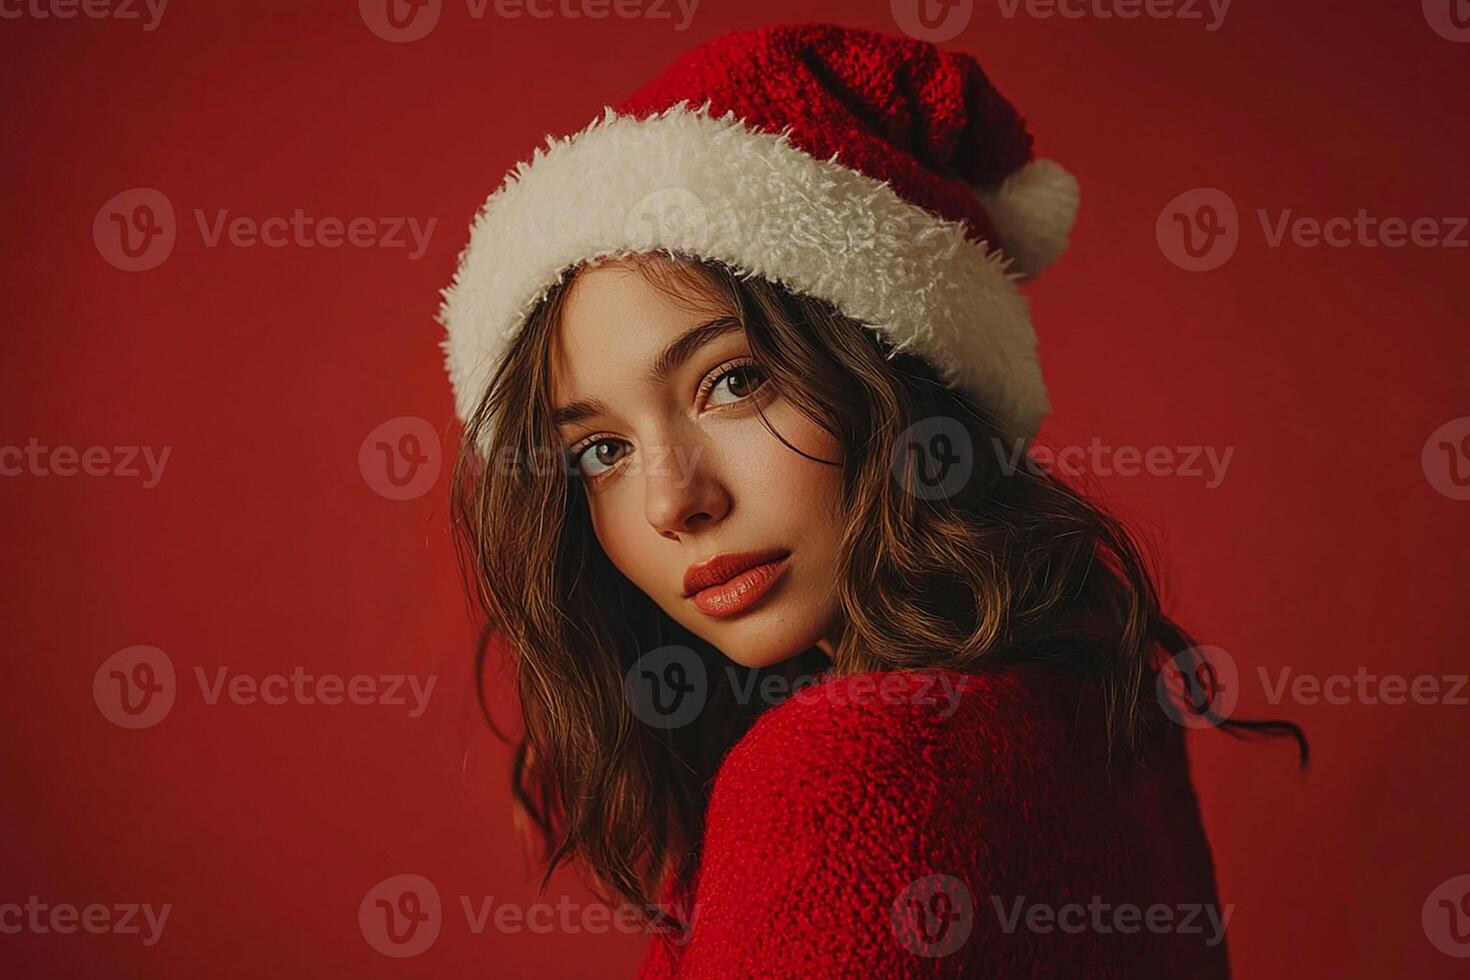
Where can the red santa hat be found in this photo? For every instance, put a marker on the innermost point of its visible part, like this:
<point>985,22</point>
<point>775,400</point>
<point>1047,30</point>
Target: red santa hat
<point>878,173</point>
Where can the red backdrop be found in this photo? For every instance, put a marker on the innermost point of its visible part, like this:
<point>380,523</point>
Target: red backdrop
<point>270,542</point>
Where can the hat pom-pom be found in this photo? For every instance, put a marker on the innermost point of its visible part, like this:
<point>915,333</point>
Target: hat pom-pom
<point>1032,212</point>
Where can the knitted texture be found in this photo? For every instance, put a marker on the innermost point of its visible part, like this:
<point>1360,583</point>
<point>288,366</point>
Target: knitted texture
<point>877,173</point>
<point>830,820</point>
<point>924,120</point>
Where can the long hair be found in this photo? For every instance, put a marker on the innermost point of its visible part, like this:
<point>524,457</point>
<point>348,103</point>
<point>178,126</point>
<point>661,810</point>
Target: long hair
<point>1014,566</point>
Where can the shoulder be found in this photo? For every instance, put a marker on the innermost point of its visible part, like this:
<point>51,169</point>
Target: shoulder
<point>857,789</point>
<point>917,726</point>
<point>905,769</point>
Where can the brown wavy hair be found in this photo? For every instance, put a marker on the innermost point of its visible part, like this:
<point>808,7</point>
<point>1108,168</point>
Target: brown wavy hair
<point>1016,566</point>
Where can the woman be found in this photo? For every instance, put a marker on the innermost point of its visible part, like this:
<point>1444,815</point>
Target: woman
<point>813,667</point>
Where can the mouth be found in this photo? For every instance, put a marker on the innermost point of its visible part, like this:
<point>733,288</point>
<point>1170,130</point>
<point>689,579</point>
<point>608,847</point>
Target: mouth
<point>731,583</point>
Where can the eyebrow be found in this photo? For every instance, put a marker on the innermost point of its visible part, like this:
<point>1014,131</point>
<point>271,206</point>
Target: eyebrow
<point>667,362</point>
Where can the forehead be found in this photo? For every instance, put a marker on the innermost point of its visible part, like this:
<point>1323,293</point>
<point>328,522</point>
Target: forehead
<point>614,320</point>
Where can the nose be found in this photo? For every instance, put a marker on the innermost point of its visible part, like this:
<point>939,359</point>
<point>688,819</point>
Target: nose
<point>683,492</point>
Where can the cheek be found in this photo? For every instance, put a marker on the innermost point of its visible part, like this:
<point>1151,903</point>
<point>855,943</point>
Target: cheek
<point>816,461</point>
<point>772,488</point>
<point>790,484</point>
<point>615,521</point>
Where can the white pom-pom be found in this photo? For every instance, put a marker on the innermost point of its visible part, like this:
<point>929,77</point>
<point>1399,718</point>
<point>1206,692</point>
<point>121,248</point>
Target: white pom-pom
<point>1032,212</point>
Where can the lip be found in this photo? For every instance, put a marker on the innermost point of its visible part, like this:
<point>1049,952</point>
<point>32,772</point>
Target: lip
<point>740,591</point>
<point>725,566</point>
<point>730,583</point>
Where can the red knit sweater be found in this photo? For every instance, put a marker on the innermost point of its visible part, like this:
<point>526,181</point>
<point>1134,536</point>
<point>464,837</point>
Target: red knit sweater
<point>830,820</point>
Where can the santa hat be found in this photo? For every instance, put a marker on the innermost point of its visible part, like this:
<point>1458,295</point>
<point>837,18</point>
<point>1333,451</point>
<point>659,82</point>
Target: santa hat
<point>878,173</point>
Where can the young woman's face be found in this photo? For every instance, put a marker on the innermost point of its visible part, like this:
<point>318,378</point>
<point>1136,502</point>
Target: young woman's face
<point>679,468</point>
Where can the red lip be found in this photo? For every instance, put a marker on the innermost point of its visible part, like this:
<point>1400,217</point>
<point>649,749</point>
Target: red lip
<point>722,568</point>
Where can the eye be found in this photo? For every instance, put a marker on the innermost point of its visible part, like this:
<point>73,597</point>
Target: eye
<point>735,383</point>
<point>591,459</point>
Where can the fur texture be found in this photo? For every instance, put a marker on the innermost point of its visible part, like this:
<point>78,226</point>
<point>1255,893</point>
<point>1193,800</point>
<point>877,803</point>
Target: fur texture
<point>689,182</point>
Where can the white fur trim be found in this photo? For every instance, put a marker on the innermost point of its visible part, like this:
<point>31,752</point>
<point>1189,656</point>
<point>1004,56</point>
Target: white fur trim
<point>687,182</point>
<point>1032,212</point>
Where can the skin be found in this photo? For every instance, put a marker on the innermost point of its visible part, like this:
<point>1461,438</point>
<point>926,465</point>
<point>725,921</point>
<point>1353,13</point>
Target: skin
<point>676,474</point>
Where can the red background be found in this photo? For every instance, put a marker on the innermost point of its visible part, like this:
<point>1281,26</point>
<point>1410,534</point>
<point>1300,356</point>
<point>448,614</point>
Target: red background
<point>263,548</point>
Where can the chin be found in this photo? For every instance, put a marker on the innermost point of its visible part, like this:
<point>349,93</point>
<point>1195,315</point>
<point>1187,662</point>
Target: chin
<point>758,655</point>
<point>763,645</point>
